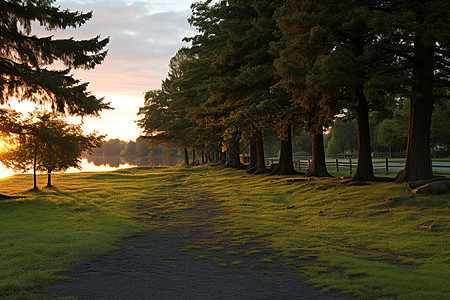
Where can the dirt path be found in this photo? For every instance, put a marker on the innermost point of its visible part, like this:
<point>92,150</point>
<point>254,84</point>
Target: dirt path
<point>187,261</point>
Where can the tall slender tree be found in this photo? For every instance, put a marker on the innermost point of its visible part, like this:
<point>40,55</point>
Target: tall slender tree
<point>298,49</point>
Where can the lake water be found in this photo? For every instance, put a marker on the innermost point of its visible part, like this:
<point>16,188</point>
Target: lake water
<point>111,163</point>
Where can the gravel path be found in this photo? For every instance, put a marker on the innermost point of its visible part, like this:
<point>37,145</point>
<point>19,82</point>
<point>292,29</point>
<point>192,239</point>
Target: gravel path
<point>160,265</point>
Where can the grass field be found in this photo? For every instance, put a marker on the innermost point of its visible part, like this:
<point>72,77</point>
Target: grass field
<point>348,238</point>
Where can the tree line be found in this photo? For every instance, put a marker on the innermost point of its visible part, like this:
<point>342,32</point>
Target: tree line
<point>140,147</point>
<point>284,66</point>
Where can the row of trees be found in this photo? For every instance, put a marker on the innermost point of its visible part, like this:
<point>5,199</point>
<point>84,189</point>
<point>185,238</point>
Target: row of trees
<point>116,147</point>
<point>273,65</point>
<point>28,72</point>
<point>140,147</point>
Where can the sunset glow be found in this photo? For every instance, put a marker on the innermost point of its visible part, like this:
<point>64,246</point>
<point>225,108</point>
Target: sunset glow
<point>143,38</point>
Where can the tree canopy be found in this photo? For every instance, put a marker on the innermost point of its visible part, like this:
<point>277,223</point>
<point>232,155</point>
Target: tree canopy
<point>47,143</point>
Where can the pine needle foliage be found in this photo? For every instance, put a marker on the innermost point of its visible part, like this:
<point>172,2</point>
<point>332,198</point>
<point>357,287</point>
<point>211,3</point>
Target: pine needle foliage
<point>25,59</point>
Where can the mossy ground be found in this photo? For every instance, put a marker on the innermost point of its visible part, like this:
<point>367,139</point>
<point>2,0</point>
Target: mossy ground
<point>348,238</point>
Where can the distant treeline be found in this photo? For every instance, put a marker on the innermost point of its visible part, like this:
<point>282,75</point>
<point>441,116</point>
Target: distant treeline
<point>116,147</point>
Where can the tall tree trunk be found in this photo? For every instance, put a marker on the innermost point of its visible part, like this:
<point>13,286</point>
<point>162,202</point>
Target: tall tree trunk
<point>233,159</point>
<point>260,160</point>
<point>318,167</point>
<point>418,161</point>
<point>364,169</point>
<point>186,156</point>
<point>285,164</point>
<point>49,178</point>
<point>203,157</point>
<point>194,158</point>
<point>34,168</point>
<point>252,166</point>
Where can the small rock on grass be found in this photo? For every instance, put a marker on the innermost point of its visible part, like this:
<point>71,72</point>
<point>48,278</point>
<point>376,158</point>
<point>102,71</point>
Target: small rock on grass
<point>435,187</point>
<point>439,187</point>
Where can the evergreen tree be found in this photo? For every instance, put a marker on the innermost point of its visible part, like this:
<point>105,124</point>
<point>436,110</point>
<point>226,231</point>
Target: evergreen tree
<point>418,34</point>
<point>24,57</point>
<point>298,49</point>
<point>350,72</point>
<point>199,81</point>
<point>239,96</point>
<point>164,116</point>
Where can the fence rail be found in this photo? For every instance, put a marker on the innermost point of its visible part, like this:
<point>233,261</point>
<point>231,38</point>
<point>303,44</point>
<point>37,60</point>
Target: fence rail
<point>387,166</point>
<point>355,155</point>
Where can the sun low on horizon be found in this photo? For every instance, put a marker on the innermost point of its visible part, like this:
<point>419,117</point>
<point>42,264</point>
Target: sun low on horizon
<point>4,172</point>
<point>144,36</point>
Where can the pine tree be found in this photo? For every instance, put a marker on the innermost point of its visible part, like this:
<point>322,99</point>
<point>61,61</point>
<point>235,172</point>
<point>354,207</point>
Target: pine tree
<point>239,97</point>
<point>418,33</point>
<point>298,49</point>
<point>353,72</point>
<point>165,114</point>
<point>24,58</point>
<point>202,82</point>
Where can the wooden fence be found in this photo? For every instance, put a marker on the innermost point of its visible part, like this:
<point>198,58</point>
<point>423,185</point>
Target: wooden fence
<point>386,166</point>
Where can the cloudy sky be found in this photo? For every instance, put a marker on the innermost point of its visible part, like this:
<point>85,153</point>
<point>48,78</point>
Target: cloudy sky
<point>144,36</point>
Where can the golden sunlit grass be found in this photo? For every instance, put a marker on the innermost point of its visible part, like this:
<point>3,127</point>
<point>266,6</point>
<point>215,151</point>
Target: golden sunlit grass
<point>348,238</point>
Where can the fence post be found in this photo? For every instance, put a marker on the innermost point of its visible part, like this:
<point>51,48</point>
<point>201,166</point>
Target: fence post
<point>351,169</point>
<point>337,165</point>
<point>309,165</point>
<point>387,166</point>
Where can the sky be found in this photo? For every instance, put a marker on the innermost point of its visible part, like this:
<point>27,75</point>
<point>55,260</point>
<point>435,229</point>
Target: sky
<point>144,35</point>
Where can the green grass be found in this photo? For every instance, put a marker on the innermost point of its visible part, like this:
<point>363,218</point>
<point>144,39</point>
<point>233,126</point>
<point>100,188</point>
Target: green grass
<point>237,263</point>
<point>47,232</point>
<point>215,248</point>
<point>347,238</point>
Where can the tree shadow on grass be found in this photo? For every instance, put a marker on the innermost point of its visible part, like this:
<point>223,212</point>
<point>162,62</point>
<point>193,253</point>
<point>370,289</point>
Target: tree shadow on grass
<point>6,197</point>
